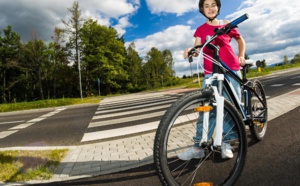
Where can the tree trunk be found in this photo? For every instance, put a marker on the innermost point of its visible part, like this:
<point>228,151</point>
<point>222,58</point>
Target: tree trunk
<point>40,84</point>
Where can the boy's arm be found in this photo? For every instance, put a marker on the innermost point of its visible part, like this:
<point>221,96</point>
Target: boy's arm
<point>242,49</point>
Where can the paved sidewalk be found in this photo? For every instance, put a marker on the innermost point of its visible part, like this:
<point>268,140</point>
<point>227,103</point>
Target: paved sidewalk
<point>122,154</point>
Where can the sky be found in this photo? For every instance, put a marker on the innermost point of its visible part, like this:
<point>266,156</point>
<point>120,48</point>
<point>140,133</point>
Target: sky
<point>271,31</point>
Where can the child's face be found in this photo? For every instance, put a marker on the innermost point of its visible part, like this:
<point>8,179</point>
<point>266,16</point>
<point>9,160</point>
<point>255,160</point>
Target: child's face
<point>210,8</point>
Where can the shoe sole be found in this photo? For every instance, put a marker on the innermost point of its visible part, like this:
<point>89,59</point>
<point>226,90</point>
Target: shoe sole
<point>198,157</point>
<point>226,157</point>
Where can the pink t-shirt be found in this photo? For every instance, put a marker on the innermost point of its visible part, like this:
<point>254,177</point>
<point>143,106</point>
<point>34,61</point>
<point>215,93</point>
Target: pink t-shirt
<point>227,54</point>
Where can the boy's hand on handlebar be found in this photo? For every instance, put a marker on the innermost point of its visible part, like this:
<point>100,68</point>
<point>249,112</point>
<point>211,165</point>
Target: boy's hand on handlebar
<point>242,61</point>
<point>186,55</point>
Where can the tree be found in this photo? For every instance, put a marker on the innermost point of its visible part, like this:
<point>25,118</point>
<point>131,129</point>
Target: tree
<point>296,59</point>
<point>168,72</point>
<point>133,65</point>
<point>10,46</point>
<point>154,67</point>
<point>58,56</point>
<point>286,60</point>
<point>35,51</point>
<point>103,56</point>
<point>73,26</point>
<point>263,63</point>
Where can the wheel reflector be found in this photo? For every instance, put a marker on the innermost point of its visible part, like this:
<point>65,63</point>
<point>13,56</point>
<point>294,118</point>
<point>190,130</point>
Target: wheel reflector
<point>203,109</point>
<point>203,184</point>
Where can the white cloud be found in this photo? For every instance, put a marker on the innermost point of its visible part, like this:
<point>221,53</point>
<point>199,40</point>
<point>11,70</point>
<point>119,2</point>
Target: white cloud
<point>41,17</point>
<point>271,32</point>
<point>272,28</point>
<point>178,7</point>
<point>110,8</point>
<point>173,38</point>
<point>123,23</point>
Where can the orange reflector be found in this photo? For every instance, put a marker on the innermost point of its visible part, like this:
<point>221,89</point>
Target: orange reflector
<point>203,109</point>
<point>204,184</point>
<point>259,123</point>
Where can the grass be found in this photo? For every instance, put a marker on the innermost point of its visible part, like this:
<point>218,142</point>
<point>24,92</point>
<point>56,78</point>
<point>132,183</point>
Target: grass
<point>47,103</point>
<point>269,70</point>
<point>18,166</point>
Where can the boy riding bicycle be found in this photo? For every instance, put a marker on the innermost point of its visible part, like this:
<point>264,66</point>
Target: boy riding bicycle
<point>210,9</point>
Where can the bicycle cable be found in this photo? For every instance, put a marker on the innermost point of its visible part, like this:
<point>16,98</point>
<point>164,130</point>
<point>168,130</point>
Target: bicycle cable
<point>202,55</point>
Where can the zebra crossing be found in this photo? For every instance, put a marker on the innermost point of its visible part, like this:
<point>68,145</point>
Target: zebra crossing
<point>123,117</point>
<point>131,116</point>
<point>23,124</point>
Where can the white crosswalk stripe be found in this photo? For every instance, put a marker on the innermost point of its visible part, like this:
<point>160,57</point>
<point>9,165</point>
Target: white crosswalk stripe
<point>132,107</point>
<point>277,85</point>
<point>130,111</point>
<point>126,119</point>
<point>10,122</point>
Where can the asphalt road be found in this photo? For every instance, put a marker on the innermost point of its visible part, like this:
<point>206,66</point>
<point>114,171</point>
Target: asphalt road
<point>64,128</point>
<point>273,161</point>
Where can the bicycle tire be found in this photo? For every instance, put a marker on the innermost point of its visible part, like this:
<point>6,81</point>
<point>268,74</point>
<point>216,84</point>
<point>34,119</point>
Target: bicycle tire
<point>258,128</point>
<point>171,138</point>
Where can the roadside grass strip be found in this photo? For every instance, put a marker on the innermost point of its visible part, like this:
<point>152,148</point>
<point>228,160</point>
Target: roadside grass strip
<point>19,165</point>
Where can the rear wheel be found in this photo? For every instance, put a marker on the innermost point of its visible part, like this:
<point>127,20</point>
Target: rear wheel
<point>259,111</point>
<point>175,135</point>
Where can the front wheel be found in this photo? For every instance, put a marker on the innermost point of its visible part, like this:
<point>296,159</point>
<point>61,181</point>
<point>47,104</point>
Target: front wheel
<point>175,135</point>
<point>259,111</point>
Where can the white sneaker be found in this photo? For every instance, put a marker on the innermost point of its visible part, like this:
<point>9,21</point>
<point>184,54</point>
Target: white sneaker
<point>193,152</point>
<point>226,151</point>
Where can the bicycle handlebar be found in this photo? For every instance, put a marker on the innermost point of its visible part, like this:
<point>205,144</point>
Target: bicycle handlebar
<point>239,20</point>
<point>218,32</point>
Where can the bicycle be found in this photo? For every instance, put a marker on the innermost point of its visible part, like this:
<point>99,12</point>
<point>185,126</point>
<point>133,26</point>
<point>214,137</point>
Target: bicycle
<point>178,125</point>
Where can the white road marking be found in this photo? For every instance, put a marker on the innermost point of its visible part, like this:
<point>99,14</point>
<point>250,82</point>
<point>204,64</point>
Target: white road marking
<point>110,110</point>
<point>296,77</point>
<point>10,122</point>
<point>99,135</point>
<point>277,85</point>
<point>21,126</point>
<point>127,119</point>
<point>6,133</point>
<point>29,123</point>
<point>131,112</point>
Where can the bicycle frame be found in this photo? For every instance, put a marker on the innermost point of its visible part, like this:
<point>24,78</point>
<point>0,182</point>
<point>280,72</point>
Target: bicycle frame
<point>221,73</point>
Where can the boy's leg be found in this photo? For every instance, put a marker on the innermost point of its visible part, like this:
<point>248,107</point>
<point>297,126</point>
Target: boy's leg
<point>229,131</point>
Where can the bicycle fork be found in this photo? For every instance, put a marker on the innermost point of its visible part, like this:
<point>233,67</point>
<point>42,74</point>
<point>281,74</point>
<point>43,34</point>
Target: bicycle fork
<point>219,113</point>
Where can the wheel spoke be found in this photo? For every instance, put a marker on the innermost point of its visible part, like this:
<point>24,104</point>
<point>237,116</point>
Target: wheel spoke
<point>176,134</point>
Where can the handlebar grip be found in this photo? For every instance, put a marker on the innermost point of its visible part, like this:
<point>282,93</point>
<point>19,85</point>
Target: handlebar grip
<point>237,21</point>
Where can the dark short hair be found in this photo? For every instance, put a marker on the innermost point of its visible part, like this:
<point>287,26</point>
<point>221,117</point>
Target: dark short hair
<point>201,2</point>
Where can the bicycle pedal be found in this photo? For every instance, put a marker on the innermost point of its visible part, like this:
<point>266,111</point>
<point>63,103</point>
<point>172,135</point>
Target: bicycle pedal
<point>203,109</point>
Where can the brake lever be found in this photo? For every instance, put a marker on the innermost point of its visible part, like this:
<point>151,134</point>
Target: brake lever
<point>190,58</point>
